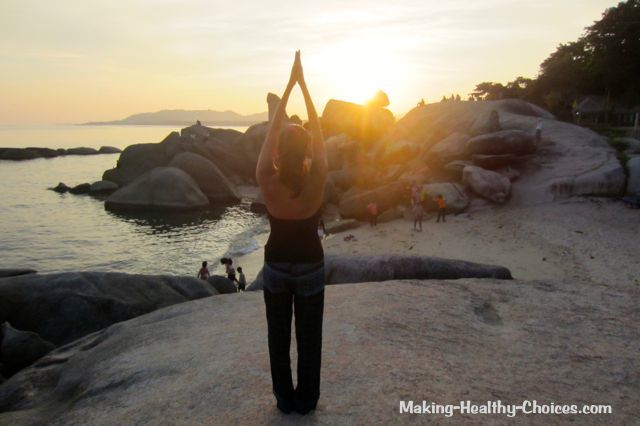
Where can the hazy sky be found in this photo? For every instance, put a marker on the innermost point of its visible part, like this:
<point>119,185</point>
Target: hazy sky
<point>71,61</point>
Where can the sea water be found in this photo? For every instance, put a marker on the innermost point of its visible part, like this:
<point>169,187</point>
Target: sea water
<point>53,232</point>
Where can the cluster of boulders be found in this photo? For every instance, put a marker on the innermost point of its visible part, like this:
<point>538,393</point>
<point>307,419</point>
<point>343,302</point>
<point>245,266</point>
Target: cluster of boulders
<point>96,188</point>
<point>632,152</point>
<point>17,154</point>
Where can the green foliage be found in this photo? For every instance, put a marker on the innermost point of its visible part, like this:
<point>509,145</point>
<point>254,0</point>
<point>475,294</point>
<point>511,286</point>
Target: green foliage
<point>605,61</point>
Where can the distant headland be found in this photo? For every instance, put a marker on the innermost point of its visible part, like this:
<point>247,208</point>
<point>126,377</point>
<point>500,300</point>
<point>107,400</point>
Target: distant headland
<point>186,117</point>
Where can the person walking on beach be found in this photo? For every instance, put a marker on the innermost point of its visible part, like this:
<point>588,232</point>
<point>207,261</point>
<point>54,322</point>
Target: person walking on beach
<point>442,208</point>
<point>228,268</point>
<point>242,281</point>
<point>203,273</point>
<point>293,271</point>
<point>373,213</point>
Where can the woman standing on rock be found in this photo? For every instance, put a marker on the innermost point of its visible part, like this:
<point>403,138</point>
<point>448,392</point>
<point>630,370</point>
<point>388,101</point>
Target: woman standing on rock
<point>293,187</point>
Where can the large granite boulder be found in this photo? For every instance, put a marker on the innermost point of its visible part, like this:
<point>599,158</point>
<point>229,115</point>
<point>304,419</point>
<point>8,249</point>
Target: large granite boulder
<point>196,362</point>
<point>367,268</point>
<point>453,194</point>
<point>136,160</point>
<point>515,142</point>
<point>493,161</point>
<point>82,188</point>
<point>605,180</point>
<point>400,152</point>
<point>163,188</point>
<point>211,181</point>
<point>14,272</point>
<point>103,186</point>
<point>223,285</point>
<point>633,184</point>
<point>19,349</point>
<point>366,124</point>
<point>63,307</point>
<point>386,197</point>
<point>487,184</point>
<point>449,149</point>
<point>45,152</point>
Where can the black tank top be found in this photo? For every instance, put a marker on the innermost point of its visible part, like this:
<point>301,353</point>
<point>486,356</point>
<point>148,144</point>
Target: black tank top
<point>294,240</point>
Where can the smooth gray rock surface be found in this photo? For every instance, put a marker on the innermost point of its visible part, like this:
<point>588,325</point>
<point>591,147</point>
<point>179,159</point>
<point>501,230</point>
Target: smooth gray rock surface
<point>487,184</point>
<point>63,307</point>
<point>633,183</point>
<point>9,272</point>
<point>163,188</point>
<point>449,149</point>
<point>82,151</point>
<point>516,142</point>
<point>223,285</point>
<point>102,186</point>
<point>206,361</point>
<point>211,181</point>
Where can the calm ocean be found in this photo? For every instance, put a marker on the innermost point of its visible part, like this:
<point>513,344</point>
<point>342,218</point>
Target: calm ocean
<point>52,232</point>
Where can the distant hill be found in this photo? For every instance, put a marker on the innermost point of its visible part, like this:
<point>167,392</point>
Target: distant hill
<point>186,117</point>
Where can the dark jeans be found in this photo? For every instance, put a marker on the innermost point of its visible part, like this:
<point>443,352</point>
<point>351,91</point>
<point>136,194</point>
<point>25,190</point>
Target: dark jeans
<point>298,288</point>
<point>442,213</point>
<point>373,219</point>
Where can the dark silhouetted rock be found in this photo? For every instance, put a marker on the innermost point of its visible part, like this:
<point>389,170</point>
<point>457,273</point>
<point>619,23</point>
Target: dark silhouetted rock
<point>109,150</point>
<point>17,154</point>
<point>60,188</point>
<point>456,167</point>
<point>211,181</point>
<point>19,349</point>
<point>379,100</point>
<point>515,142</point>
<point>63,307</point>
<point>136,160</point>
<point>4,273</point>
<point>493,161</point>
<point>45,152</point>
<point>163,188</point>
<point>486,122</point>
<point>83,188</point>
<point>370,268</point>
<point>82,151</point>
<point>487,184</point>
<point>222,284</point>
<point>103,186</point>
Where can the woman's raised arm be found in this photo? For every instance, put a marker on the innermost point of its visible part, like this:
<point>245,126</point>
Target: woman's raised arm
<point>319,166</point>
<point>265,168</point>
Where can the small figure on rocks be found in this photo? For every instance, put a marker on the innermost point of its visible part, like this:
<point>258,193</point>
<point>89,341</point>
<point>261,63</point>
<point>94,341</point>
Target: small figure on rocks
<point>442,208</point>
<point>418,213</point>
<point>373,213</point>
<point>242,281</point>
<point>203,273</point>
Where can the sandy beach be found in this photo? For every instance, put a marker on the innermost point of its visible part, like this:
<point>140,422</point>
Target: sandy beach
<point>592,240</point>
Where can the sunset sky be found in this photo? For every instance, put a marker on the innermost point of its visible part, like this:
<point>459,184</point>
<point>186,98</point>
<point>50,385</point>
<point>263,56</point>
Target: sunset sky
<point>71,61</point>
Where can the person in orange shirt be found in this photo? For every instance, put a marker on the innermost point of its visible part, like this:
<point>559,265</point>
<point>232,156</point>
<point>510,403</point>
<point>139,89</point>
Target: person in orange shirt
<point>442,208</point>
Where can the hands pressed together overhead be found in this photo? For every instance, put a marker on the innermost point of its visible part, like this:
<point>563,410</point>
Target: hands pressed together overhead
<point>297,76</point>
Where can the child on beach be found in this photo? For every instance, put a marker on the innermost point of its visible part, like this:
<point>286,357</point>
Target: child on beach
<point>203,273</point>
<point>442,207</point>
<point>228,266</point>
<point>242,281</point>
<point>418,213</point>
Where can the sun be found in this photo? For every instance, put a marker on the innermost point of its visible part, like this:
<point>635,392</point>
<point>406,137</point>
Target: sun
<point>356,68</point>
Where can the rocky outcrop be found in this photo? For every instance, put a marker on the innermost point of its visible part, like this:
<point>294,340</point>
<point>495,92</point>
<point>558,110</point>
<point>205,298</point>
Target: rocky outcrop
<point>17,154</point>
<point>211,181</point>
<point>109,150</point>
<point>223,285</point>
<point>82,151</point>
<point>449,149</point>
<point>453,194</point>
<point>386,197</point>
<point>103,186</point>
<point>60,188</point>
<point>607,180</point>
<point>163,188</point>
<point>514,142</point>
<point>82,188</point>
<point>362,123</point>
<point>493,161</point>
<point>365,268</point>
<point>66,306</point>
<point>633,184</point>
<point>487,184</point>
<point>136,160</point>
<point>464,339</point>
<point>19,349</point>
